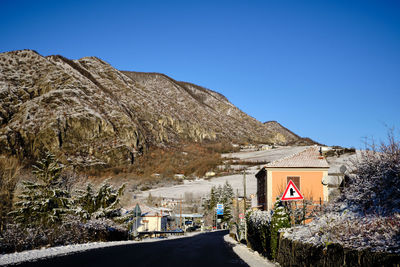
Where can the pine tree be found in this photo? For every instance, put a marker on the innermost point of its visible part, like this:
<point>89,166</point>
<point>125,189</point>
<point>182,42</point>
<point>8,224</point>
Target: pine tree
<point>100,204</point>
<point>211,202</point>
<point>227,198</point>
<point>280,219</point>
<point>41,202</point>
<point>223,195</point>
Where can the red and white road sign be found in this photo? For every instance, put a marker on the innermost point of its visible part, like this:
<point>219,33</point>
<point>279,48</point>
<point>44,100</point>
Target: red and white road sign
<point>291,192</point>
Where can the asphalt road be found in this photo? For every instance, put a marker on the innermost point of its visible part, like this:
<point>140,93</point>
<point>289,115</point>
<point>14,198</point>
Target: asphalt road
<point>206,250</point>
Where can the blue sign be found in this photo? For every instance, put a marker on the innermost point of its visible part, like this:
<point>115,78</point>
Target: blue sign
<point>220,212</point>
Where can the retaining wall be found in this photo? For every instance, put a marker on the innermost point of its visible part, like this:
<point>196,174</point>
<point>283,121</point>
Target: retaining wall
<point>295,253</point>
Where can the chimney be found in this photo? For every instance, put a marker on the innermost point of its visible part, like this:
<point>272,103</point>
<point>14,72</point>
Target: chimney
<point>320,153</point>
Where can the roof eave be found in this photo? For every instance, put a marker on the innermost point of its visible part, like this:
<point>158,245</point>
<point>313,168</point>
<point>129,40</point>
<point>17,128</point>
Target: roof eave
<point>292,167</point>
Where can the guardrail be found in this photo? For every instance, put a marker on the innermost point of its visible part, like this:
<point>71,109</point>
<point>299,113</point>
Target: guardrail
<point>159,233</point>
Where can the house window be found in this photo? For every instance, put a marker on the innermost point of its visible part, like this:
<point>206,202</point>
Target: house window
<point>295,179</point>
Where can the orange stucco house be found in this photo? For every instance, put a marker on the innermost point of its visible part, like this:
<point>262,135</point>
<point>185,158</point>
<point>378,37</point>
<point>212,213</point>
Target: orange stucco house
<point>306,169</point>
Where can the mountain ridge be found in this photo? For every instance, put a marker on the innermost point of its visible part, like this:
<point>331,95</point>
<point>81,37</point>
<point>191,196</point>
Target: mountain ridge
<point>91,114</point>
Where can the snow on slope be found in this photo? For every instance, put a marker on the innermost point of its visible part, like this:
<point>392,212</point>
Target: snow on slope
<point>202,187</point>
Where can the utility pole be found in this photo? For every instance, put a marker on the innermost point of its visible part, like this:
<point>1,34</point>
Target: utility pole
<point>180,214</point>
<point>244,190</point>
<point>237,205</point>
<point>244,204</point>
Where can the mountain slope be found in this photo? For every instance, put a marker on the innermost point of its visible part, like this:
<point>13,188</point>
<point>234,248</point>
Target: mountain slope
<point>290,137</point>
<point>90,114</point>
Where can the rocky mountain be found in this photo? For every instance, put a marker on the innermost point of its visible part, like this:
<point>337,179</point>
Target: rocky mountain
<point>290,137</point>
<point>89,113</point>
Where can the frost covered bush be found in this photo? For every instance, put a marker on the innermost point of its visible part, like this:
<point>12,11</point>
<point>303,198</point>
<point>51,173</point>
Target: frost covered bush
<point>101,204</point>
<point>352,231</point>
<point>280,220</point>
<point>47,215</point>
<point>303,211</point>
<point>259,231</point>
<point>375,186</point>
<point>43,202</point>
<point>72,231</point>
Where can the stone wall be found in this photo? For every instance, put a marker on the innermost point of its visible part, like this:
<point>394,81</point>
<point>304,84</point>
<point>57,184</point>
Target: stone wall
<point>295,253</point>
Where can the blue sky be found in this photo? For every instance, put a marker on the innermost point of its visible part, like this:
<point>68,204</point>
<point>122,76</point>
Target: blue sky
<point>329,70</point>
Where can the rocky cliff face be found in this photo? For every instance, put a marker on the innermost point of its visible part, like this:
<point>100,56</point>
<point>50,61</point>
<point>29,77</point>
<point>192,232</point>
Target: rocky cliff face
<point>89,113</point>
<point>285,136</point>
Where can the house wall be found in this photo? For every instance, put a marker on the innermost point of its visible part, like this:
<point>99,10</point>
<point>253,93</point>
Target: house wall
<point>261,185</point>
<point>311,186</point>
<point>152,223</point>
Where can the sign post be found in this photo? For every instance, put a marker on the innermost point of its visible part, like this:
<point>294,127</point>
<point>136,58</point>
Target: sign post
<point>291,193</point>
<point>219,211</point>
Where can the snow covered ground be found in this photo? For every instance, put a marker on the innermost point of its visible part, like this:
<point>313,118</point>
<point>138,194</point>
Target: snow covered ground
<point>32,255</point>
<point>266,155</point>
<point>202,187</point>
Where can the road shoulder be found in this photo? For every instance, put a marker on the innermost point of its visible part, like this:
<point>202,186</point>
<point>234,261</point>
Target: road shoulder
<point>252,258</point>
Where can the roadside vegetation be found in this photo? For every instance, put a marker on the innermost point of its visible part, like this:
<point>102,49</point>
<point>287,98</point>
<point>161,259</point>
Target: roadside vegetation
<point>9,174</point>
<point>365,215</point>
<point>219,195</point>
<point>47,213</point>
<point>42,206</point>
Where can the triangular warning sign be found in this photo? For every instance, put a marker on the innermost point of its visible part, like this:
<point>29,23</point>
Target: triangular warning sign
<point>291,192</point>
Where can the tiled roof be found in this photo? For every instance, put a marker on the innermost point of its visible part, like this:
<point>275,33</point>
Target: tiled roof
<point>309,157</point>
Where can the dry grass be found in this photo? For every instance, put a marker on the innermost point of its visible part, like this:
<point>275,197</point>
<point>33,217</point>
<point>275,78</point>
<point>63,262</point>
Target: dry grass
<point>9,171</point>
<point>191,159</point>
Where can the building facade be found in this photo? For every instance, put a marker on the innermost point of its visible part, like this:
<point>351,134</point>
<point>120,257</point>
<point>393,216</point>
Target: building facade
<point>306,169</point>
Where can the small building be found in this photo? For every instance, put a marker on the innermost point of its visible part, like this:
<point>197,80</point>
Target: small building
<point>179,176</point>
<point>151,219</point>
<point>210,174</point>
<point>307,169</point>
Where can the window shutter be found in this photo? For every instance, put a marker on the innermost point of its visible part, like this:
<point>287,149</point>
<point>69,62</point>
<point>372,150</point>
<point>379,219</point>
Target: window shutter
<point>295,179</point>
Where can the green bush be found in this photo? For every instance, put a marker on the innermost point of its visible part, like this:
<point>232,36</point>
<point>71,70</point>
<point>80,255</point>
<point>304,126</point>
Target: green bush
<point>280,219</point>
<point>259,231</point>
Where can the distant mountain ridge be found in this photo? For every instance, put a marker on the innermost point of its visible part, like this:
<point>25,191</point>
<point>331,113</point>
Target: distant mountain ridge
<point>291,137</point>
<point>89,113</point>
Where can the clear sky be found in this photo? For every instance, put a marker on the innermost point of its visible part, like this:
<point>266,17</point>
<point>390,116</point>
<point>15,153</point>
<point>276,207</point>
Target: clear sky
<point>329,70</point>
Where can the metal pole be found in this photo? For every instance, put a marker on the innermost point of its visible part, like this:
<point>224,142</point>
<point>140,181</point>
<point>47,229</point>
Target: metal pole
<point>291,211</point>
<point>180,216</point>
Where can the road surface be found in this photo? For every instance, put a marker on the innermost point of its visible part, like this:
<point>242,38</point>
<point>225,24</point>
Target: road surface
<point>206,250</point>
